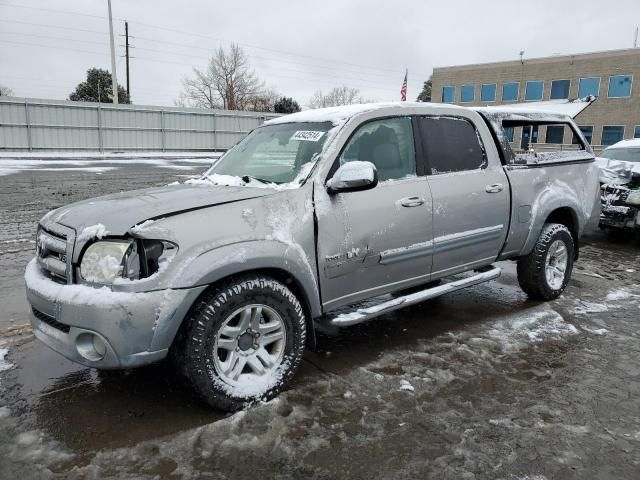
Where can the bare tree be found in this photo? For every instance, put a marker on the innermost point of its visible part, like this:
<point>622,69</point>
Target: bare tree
<point>5,91</point>
<point>337,96</point>
<point>264,101</point>
<point>228,82</point>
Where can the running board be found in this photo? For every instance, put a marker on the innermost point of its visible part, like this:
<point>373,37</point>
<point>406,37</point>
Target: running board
<point>345,318</point>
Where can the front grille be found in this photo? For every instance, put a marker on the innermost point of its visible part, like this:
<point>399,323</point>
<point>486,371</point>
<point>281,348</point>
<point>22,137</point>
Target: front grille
<point>51,251</point>
<point>49,320</point>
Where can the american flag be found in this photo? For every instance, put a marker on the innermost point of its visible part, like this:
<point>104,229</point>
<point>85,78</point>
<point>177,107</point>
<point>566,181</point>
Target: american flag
<point>403,89</point>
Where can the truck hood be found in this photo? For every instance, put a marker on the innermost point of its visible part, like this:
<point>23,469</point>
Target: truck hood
<point>118,212</point>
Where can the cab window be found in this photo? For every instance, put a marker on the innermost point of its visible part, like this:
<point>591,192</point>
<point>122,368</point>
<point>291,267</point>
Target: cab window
<point>388,144</point>
<point>451,145</point>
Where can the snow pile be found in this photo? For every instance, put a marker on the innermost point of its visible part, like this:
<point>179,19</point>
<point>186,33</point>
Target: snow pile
<point>406,386</point>
<point>94,231</point>
<point>620,294</point>
<point>217,179</point>
<point>533,325</point>
<point>4,364</point>
<point>585,308</point>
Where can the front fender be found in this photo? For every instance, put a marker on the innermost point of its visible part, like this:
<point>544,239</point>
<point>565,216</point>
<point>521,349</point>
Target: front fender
<point>214,265</point>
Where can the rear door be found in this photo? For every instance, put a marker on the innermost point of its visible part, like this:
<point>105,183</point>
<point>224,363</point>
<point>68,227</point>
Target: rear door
<point>379,240</point>
<point>470,194</point>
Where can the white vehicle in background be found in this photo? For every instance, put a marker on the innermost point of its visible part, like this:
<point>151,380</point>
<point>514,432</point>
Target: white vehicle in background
<point>620,184</point>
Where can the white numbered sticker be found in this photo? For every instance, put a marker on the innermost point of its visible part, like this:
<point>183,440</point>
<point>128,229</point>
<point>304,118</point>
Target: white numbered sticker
<point>307,135</point>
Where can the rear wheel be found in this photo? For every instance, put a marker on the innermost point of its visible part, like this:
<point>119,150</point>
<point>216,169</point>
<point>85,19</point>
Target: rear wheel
<point>242,342</point>
<point>545,272</point>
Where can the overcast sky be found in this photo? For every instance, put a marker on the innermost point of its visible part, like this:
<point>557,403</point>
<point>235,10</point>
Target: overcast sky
<point>296,46</point>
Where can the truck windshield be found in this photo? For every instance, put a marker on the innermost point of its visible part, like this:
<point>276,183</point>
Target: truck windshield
<point>624,154</point>
<point>278,153</point>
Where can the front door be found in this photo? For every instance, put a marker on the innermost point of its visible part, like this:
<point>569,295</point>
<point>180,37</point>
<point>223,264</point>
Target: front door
<point>470,194</point>
<point>375,241</point>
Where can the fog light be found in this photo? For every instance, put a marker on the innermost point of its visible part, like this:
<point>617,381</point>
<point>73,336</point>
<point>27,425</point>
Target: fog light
<point>91,346</point>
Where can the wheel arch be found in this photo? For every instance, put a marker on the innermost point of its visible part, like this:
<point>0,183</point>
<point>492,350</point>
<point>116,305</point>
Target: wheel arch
<point>272,259</point>
<point>568,217</point>
<point>563,214</point>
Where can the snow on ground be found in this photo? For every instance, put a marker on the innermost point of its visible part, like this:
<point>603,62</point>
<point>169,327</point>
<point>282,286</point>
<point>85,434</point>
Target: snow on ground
<point>12,163</point>
<point>4,364</point>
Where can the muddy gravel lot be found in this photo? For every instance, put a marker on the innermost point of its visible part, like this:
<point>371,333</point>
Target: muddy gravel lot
<point>482,383</point>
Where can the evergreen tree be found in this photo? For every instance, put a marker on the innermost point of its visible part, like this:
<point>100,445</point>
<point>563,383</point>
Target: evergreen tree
<point>425,94</point>
<point>97,88</point>
<point>286,105</point>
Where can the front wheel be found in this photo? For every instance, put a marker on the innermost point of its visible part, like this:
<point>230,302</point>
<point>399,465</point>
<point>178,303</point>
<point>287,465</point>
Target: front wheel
<point>242,342</point>
<point>545,272</point>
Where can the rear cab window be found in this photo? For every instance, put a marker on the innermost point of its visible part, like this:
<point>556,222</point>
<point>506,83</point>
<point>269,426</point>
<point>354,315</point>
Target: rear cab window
<point>450,145</point>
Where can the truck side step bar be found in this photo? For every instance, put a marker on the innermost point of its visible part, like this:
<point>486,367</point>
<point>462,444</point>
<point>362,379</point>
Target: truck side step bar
<point>345,317</point>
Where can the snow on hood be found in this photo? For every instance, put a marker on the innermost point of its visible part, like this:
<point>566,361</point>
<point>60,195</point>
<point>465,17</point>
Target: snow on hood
<point>118,213</point>
<point>631,143</point>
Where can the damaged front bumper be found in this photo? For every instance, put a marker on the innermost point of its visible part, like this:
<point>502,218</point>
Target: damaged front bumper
<point>102,328</point>
<point>617,212</point>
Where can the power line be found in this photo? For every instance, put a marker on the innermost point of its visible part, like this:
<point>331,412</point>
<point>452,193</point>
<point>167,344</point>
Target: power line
<point>310,80</point>
<point>67,12</point>
<point>53,26</point>
<point>49,37</point>
<point>314,65</point>
<point>164,52</point>
<point>342,77</point>
<point>266,48</point>
<point>53,47</point>
<point>333,61</point>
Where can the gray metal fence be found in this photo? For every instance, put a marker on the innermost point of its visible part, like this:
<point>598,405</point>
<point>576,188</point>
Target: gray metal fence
<point>43,125</point>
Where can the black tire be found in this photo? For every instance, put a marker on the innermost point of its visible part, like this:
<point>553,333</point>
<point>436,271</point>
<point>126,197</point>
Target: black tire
<point>193,350</point>
<point>531,269</point>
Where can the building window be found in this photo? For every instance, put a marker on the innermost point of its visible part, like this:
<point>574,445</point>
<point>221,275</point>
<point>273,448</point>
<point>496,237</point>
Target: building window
<point>534,90</point>
<point>587,132</point>
<point>510,91</point>
<point>589,86</point>
<point>488,92</point>
<point>509,133</point>
<point>620,86</point>
<point>560,89</point>
<point>612,134</point>
<point>467,93</point>
<point>529,135</point>
<point>448,94</point>
<point>555,134</point>
<point>636,132</point>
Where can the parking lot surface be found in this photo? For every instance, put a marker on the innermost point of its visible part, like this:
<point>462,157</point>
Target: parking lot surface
<point>482,383</point>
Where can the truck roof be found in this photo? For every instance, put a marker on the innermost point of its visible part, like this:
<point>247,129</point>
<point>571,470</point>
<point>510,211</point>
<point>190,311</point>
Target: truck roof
<point>338,115</point>
<point>541,111</point>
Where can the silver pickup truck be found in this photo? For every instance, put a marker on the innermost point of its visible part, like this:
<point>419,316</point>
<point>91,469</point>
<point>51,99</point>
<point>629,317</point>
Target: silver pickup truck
<point>314,221</point>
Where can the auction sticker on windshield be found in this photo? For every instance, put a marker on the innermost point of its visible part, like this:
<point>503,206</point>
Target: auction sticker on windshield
<point>307,135</point>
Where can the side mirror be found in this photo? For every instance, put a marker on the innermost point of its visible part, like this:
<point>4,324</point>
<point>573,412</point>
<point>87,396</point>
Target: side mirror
<point>353,176</point>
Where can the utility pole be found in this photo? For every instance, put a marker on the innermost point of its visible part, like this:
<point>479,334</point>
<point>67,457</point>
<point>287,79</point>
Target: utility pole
<point>126,50</point>
<point>635,39</point>
<point>114,78</point>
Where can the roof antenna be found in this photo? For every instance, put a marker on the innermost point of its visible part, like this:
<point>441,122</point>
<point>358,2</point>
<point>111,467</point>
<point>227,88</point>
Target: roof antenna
<point>522,55</point>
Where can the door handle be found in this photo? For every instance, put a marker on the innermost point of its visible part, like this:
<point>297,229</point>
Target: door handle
<point>494,188</point>
<point>411,201</point>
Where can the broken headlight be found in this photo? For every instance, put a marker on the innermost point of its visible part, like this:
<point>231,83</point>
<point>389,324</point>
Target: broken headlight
<point>107,261</point>
<point>634,198</point>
